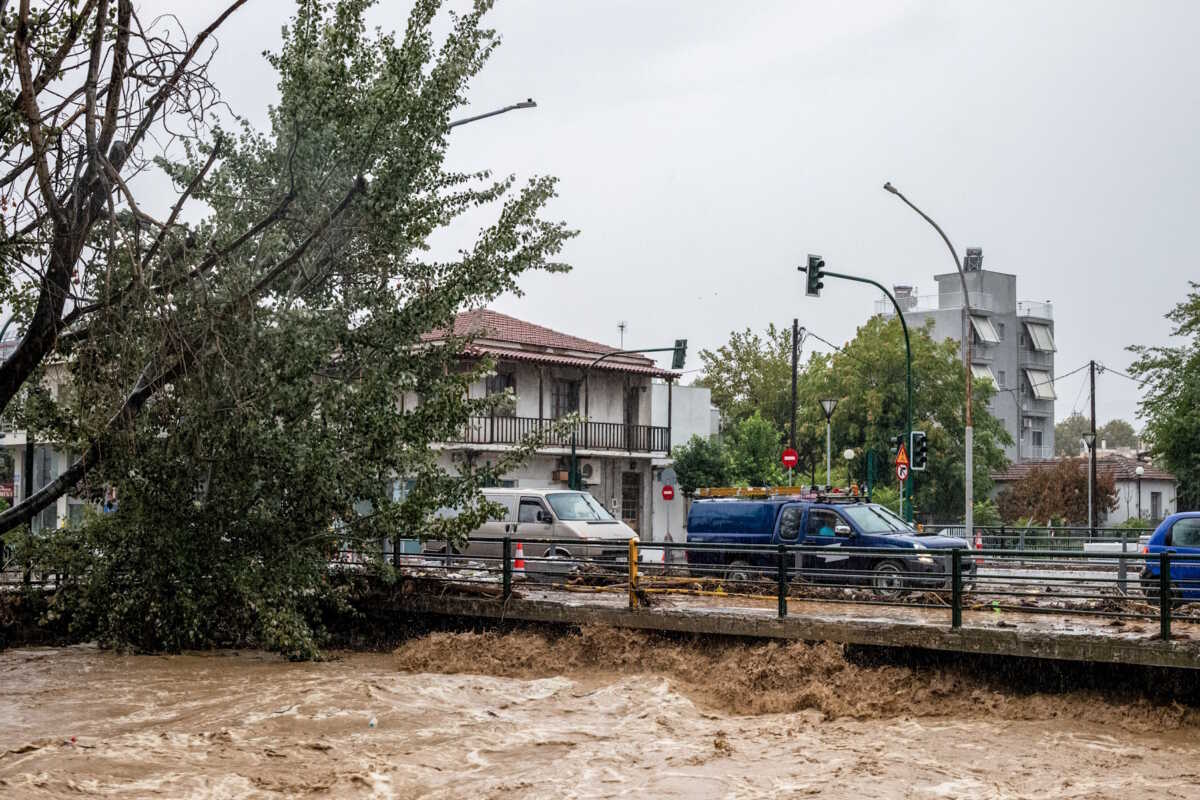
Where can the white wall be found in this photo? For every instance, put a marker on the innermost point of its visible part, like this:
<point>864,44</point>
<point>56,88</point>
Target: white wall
<point>692,412</point>
<point>1127,499</point>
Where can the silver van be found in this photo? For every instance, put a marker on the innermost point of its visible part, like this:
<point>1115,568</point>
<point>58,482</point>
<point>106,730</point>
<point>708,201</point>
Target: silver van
<point>547,514</point>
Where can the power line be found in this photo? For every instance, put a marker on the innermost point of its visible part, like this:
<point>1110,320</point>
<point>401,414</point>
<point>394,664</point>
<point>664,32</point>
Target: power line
<point>1104,368</point>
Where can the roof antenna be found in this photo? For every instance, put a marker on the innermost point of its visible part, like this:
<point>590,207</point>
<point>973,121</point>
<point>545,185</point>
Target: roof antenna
<point>621,326</point>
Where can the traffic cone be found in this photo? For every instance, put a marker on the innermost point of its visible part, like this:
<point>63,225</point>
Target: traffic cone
<point>518,567</point>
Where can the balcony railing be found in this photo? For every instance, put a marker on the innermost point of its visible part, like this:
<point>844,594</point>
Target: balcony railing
<point>1029,308</point>
<point>1029,451</point>
<point>1036,358</point>
<point>588,435</point>
<point>980,301</point>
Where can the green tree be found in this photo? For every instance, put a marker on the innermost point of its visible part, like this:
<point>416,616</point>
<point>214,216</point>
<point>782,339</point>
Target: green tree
<point>1068,433</point>
<point>753,446</point>
<point>237,378</point>
<point>868,376</point>
<point>1170,381</point>
<point>1117,433</point>
<point>701,462</point>
<point>752,374</point>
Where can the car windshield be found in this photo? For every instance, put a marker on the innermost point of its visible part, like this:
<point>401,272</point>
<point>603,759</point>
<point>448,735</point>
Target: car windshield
<point>578,507</point>
<point>875,519</point>
<point>891,515</point>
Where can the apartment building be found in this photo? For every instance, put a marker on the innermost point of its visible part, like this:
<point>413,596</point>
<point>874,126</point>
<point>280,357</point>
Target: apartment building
<point>620,450</point>
<point>1012,346</point>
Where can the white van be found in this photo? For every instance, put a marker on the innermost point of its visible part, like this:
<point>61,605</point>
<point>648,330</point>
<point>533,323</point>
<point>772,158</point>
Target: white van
<point>547,514</point>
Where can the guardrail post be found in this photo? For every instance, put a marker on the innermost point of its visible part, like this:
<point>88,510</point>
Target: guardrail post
<point>782,576</point>
<point>507,567</point>
<point>1122,582</point>
<point>633,560</point>
<point>1021,540</point>
<point>956,588</point>
<point>1164,595</point>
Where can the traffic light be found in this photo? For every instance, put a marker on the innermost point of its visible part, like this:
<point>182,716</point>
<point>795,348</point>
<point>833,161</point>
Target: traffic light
<point>895,442</point>
<point>680,354</point>
<point>920,450</point>
<point>816,275</point>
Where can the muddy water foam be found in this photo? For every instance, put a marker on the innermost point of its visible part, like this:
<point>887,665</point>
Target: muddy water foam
<point>605,714</point>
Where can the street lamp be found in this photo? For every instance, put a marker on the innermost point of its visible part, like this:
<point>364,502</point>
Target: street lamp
<point>1089,441</point>
<point>1139,471</point>
<point>828,406</point>
<point>969,434</point>
<point>848,454</point>
<point>528,103</point>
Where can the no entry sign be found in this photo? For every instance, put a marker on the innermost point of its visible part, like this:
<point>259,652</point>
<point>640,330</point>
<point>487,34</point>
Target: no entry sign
<point>668,492</point>
<point>790,458</point>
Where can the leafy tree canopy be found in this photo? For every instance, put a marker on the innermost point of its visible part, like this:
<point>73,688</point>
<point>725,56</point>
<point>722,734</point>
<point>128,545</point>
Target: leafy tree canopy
<point>1057,492</point>
<point>237,379</point>
<point>1170,381</point>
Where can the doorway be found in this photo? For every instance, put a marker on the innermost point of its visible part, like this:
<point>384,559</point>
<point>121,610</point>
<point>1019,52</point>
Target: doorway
<point>631,499</point>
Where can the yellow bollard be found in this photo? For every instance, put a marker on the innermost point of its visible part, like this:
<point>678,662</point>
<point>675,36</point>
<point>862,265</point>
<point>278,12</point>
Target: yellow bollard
<point>633,560</point>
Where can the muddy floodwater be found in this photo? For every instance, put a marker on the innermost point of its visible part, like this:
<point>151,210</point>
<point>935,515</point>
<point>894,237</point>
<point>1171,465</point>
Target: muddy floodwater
<point>598,714</point>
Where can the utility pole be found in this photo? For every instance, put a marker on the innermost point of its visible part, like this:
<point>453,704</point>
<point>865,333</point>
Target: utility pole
<point>1092,454</point>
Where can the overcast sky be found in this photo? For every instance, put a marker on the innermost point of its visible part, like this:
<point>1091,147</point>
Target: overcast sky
<point>705,147</point>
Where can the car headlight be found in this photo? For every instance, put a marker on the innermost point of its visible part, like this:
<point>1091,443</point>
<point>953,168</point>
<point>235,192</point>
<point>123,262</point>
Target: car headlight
<point>925,559</point>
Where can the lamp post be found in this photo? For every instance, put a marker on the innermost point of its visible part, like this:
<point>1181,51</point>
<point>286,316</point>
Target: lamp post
<point>828,406</point>
<point>848,454</point>
<point>1089,441</point>
<point>969,433</point>
<point>528,103</point>
<point>1139,471</point>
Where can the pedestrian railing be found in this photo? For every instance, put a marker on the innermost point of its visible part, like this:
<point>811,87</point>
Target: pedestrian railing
<point>1112,588</point>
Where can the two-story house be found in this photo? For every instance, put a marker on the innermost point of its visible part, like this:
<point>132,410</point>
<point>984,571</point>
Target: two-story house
<point>550,376</point>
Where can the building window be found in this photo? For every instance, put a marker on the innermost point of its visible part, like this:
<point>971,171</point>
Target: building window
<point>1000,330</point>
<point>1035,438</point>
<point>564,398</point>
<point>1001,378</point>
<point>497,385</point>
<point>1156,505</point>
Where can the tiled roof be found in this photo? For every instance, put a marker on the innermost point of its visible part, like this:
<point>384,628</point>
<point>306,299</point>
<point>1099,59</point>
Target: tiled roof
<point>1122,468</point>
<point>502,336</point>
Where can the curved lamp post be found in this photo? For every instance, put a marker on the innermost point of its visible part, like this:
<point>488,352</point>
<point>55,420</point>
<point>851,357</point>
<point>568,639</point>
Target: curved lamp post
<point>969,436</point>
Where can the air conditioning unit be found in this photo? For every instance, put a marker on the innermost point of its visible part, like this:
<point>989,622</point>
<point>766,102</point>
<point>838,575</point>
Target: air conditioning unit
<point>589,474</point>
<point>562,475</point>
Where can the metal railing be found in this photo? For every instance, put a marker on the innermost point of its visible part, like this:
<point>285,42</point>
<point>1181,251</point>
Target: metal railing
<point>1031,308</point>
<point>589,435</point>
<point>1113,587</point>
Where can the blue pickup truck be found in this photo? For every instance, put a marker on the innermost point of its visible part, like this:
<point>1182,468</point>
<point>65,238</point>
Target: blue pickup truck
<point>902,558</point>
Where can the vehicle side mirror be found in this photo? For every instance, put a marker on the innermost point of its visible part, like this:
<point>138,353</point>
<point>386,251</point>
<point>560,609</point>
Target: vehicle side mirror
<point>544,516</point>
<point>841,530</point>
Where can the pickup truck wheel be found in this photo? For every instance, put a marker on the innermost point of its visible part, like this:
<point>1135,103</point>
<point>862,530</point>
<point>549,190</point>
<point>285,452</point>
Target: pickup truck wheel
<point>739,572</point>
<point>888,580</point>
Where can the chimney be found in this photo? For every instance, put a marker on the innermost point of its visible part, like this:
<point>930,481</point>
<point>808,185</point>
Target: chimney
<point>906,297</point>
<point>974,260</point>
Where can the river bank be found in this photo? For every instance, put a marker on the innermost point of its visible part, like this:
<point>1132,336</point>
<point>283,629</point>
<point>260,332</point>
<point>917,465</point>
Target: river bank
<point>596,713</point>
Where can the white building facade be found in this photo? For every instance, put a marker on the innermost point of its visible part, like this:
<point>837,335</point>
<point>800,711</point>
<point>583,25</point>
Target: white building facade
<point>619,447</point>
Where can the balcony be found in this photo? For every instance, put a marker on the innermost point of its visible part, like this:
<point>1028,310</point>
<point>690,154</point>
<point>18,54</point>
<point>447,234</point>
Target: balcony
<point>615,436</point>
<point>1030,308</point>
<point>980,301</point>
<point>1036,358</point>
<point>1032,451</point>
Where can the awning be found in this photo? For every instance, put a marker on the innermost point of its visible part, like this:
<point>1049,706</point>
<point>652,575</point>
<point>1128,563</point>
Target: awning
<point>1042,384</point>
<point>984,329</point>
<point>1041,336</point>
<point>983,372</point>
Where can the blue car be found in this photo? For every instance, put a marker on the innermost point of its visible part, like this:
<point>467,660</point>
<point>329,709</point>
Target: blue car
<point>1178,534</point>
<point>905,559</point>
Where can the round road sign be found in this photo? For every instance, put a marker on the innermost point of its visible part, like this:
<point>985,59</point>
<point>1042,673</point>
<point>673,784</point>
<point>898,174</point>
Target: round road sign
<point>668,492</point>
<point>902,471</point>
<point>790,458</point>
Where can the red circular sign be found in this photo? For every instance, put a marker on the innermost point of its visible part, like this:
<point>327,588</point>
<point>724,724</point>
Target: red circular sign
<point>790,458</point>
<point>668,492</point>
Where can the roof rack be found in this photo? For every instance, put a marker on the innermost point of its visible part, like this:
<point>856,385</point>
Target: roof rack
<point>822,494</point>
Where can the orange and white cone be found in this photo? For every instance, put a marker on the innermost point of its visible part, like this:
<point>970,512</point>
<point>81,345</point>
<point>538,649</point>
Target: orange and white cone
<point>518,567</point>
